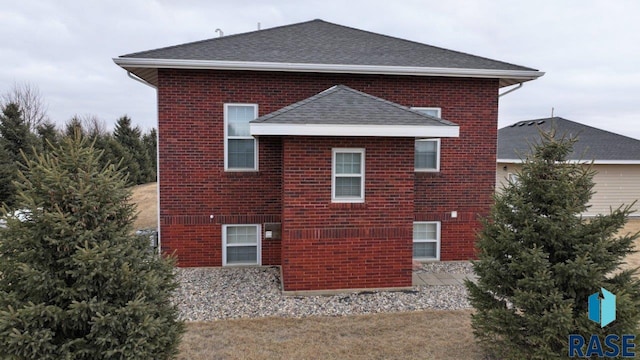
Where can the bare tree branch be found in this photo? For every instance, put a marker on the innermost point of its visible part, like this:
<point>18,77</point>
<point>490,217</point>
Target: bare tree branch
<point>28,97</point>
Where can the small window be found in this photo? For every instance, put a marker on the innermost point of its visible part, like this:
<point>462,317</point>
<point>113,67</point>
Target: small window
<point>241,245</point>
<point>348,175</point>
<point>427,155</point>
<point>514,178</point>
<point>240,148</point>
<point>426,240</point>
<point>431,111</point>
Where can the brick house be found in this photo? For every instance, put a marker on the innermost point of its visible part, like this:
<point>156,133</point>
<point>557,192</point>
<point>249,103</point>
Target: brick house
<point>337,153</point>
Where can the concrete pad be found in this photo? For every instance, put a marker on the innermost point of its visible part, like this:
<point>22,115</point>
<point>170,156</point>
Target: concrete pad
<point>450,281</point>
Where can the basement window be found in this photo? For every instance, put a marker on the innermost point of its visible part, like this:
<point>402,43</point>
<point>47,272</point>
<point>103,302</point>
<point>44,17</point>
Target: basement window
<point>241,245</point>
<point>426,240</point>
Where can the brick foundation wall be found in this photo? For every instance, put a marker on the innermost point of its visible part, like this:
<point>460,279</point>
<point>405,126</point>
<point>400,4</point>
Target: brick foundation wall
<point>194,185</point>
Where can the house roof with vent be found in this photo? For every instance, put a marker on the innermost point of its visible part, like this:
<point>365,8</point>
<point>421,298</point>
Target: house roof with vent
<point>343,111</point>
<point>602,146</point>
<point>320,46</point>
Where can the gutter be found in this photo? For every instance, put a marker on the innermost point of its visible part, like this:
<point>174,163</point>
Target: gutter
<point>522,75</point>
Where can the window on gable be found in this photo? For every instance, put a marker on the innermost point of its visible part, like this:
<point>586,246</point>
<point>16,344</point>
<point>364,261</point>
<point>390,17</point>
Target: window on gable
<point>241,150</point>
<point>348,175</point>
<point>241,245</point>
<point>427,155</point>
<point>426,240</point>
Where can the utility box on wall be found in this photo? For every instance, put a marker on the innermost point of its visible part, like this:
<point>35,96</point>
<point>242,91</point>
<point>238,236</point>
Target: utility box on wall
<point>273,231</point>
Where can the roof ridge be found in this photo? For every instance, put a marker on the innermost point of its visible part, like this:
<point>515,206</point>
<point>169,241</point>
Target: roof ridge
<point>219,38</point>
<point>337,87</point>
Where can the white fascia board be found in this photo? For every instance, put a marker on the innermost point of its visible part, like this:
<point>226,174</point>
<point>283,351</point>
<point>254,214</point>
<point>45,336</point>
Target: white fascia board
<point>523,75</point>
<point>595,162</point>
<point>258,129</point>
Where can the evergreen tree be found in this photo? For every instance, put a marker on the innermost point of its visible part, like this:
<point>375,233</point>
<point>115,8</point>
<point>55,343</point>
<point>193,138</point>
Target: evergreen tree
<point>140,169</point>
<point>76,284</point>
<point>74,127</point>
<point>48,136</point>
<point>8,173</point>
<point>539,260</point>
<point>150,141</point>
<point>15,133</point>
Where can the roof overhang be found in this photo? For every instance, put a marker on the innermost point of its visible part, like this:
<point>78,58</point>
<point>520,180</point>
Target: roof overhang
<point>595,162</point>
<point>258,129</point>
<point>146,69</point>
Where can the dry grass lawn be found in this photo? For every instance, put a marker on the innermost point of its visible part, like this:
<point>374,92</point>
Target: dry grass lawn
<point>146,197</point>
<point>416,335</point>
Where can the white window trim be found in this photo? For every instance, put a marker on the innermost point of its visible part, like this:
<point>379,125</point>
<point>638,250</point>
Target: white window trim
<point>437,241</point>
<point>227,137</point>
<point>436,109</point>
<point>359,199</point>
<point>258,245</point>
<point>437,168</point>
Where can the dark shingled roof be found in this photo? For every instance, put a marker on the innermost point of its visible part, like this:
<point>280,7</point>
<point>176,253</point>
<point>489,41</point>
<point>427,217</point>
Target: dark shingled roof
<point>342,105</point>
<point>593,143</point>
<point>321,42</point>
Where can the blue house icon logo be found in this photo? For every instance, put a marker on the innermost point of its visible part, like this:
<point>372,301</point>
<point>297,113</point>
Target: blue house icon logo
<point>602,309</point>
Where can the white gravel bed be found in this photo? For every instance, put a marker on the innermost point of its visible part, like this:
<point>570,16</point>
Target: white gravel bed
<point>452,267</point>
<point>207,294</point>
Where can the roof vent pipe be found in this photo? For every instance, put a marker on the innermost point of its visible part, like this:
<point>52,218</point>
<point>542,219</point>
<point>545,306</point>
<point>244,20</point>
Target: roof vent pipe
<point>220,33</point>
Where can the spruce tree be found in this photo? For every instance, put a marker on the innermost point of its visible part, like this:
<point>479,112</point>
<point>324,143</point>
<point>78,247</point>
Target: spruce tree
<point>140,168</point>
<point>15,133</point>
<point>8,173</point>
<point>150,141</point>
<point>76,284</point>
<point>539,260</point>
<point>48,136</point>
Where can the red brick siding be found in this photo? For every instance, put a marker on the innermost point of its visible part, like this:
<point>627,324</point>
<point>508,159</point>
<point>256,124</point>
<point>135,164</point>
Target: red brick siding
<point>194,185</point>
<point>340,245</point>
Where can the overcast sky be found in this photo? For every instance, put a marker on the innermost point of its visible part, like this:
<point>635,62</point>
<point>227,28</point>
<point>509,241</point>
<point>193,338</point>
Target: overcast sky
<point>590,50</point>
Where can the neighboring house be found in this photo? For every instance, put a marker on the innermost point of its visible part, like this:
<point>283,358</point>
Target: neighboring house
<point>323,149</point>
<point>616,159</point>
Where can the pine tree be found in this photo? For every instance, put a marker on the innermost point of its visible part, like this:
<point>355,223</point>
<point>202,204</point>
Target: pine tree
<point>48,136</point>
<point>8,173</point>
<point>74,127</point>
<point>140,169</point>
<point>539,260</point>
<point>15,133</point>
<point>76,284</point>
<point>150,141</point>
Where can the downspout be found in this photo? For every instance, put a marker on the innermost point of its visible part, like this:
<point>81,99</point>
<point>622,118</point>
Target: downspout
<point>510,90</point>
<point>159,244</point>
<point>129,74</point>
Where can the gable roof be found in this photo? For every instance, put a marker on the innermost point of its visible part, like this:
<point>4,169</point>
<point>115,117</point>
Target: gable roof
<point>343,111</point>
<point>320,46</point>
<point>593,144</point>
